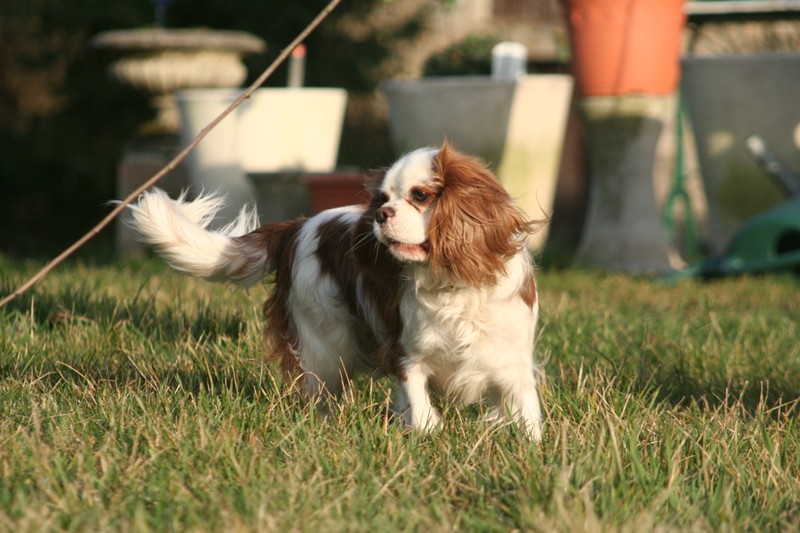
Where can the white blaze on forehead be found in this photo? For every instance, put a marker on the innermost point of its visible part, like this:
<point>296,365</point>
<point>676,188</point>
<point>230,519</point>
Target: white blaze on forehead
<point>412,169</point>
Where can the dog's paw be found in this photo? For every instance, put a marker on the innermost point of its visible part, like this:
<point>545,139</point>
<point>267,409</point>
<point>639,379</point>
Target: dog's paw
<point>533,429</point>
<point>425,422</point>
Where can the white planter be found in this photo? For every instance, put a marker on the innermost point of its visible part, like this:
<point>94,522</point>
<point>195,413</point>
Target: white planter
<point>729,98</point>
<point>516,126</point>
<point>277,131</point>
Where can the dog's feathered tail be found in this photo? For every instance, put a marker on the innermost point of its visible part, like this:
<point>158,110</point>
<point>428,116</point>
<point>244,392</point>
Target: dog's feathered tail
<point>178,230</point>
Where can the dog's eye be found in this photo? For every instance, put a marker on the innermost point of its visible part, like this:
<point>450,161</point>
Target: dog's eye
<point>419,195</point>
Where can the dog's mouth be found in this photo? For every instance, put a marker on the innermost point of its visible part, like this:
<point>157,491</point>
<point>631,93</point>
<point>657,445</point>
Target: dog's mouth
<point>409,252</point>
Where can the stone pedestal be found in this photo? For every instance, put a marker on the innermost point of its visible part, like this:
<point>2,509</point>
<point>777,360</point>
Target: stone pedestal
<point>623,229</point>
<point>142,159</point>
<point>280,195</point>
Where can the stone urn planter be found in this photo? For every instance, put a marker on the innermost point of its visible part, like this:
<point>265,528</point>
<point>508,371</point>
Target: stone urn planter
<point>160,61</point>
<point>517,126</point>
<point>729,98</point>
<point>625,59</point>
<point>261,151</point>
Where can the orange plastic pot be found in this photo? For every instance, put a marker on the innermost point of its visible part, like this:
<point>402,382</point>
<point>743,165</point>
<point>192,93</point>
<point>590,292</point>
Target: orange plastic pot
<point>625,46</point>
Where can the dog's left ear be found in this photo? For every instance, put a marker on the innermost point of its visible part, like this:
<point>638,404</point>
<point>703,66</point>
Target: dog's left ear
<point>474,226</point>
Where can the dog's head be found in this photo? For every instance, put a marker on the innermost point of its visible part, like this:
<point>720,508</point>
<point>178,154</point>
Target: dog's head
<point>439,207</point>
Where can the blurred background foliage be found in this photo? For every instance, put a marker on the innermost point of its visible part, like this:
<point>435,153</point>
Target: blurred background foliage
<point>469,56</point>
<point>64,123</point>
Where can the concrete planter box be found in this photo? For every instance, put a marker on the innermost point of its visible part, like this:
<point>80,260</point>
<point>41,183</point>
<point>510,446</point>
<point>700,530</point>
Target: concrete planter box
<point>277,133</point>
<point>729,98</point>
<point>518,127</point>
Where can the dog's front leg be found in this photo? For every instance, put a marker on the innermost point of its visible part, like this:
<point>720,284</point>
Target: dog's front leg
<point>413,400</point>
<point>522,405</point>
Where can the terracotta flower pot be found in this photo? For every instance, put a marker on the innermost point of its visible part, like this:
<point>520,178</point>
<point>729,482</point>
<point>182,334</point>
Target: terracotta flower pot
<point>625,46</point>
<point>336,189</point>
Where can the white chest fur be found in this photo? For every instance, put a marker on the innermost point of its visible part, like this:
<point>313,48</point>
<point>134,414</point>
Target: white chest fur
<point>468,340</point>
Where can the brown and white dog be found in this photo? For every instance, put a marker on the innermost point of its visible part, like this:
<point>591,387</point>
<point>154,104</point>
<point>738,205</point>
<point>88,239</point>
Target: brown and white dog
<point>431,283</point>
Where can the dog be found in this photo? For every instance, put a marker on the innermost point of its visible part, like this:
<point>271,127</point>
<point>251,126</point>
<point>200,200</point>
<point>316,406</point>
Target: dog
<point>430,283</point>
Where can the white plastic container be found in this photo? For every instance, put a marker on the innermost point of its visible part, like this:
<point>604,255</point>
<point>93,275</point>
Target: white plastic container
<point>277,131</point>
<point>509,60</point>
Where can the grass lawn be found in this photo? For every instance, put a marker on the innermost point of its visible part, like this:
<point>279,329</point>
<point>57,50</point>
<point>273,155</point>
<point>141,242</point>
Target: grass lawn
<point>136,399</point>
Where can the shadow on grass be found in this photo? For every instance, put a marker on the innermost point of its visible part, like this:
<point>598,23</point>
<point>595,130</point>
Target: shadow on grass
<point>73,334</point>
<point>675,380</point>
<point>55,308</point>
<point>681,389</point>
<point>250,383</point>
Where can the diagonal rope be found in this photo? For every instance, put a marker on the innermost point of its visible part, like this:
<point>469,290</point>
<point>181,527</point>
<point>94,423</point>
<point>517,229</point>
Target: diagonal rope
<point>177,159</point>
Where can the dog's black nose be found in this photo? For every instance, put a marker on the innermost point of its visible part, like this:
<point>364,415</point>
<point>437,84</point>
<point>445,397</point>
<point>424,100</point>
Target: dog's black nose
<point>384,213</point>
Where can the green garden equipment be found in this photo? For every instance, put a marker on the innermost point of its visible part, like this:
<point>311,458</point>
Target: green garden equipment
<point>767,242</point>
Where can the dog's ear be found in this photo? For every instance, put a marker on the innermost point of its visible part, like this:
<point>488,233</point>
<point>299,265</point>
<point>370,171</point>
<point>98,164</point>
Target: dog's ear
<point>474,226</point>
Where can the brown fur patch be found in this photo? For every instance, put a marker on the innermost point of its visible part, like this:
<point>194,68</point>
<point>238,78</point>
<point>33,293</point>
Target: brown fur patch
<point>382,285</point>
<point>349,255</point>
<point>528,292</point>
<point>279,241</point>
<point>346,253</point>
